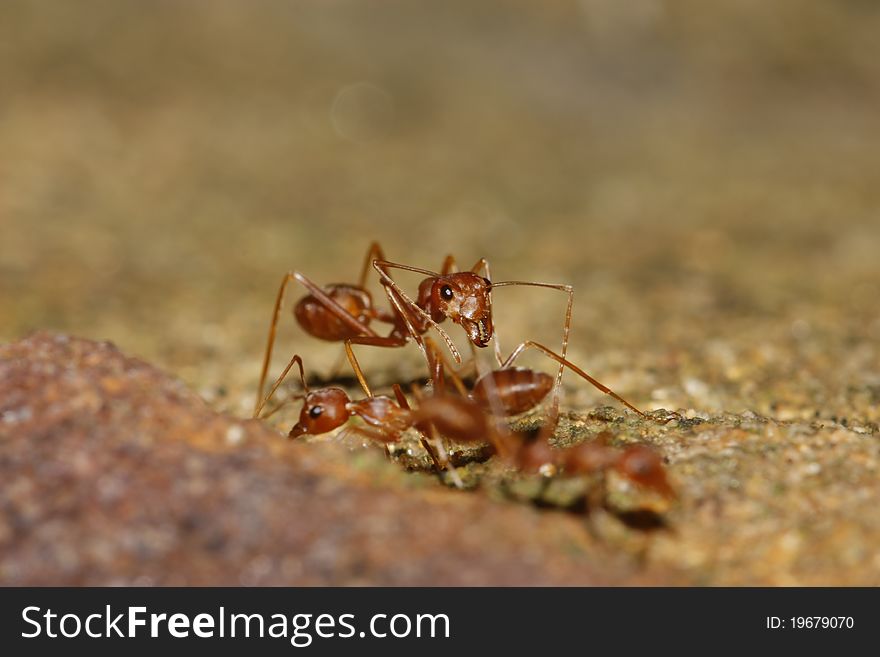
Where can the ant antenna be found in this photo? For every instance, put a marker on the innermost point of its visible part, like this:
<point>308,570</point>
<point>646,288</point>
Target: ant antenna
<point>302,377</point>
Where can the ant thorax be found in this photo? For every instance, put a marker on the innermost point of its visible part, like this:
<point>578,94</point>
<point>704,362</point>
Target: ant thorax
<point>380,411</point>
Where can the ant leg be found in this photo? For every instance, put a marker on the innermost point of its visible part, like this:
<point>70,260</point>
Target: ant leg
<point>499,434</point>
<point>563,362</point>
<point>400,298</point>
<point>377,341</point>
<point>279,406</point>
<point>336,370</point>
<point>441,458</point>
<point>373,253</point>
<point>566,327</point>
<point>373,434</point>
<point>273,325</point>
<point>401,398</point>
<point>353,361</point>
<point>398,305</point>
<point>440,463</point>
<point>449,265</point>
<point>324,299</point>
<point>438,366</point>
<point>297,360</point>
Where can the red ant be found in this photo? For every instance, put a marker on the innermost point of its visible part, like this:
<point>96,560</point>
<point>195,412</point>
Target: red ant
<point>640,464</point>
<point>465,420</point>
<point>327,409</point>
<point>511,391</point>
<point>342,312</point>
<point>465,298</point>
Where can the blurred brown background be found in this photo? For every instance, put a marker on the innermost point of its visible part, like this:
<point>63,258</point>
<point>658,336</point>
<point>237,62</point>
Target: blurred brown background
<point>704,173</point>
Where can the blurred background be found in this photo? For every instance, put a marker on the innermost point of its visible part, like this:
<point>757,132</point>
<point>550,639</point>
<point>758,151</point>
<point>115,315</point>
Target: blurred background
<point>705,174</point>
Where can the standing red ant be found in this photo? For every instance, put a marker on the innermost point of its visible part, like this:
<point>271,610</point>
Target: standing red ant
<point>343,312</point>
<point>465,298</point>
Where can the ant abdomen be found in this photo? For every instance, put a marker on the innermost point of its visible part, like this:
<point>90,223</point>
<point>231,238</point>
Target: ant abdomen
<point>316,320</point>
<point>514,390</point>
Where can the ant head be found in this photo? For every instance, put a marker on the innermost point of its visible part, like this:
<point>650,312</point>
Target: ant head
<point>644,466</point>
<point>463,297</point>
<point>323,410</point>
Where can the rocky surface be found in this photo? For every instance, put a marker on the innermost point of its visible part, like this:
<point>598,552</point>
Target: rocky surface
<point>114,473</point>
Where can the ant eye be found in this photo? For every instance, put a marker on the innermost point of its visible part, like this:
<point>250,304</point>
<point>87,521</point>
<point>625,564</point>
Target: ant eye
<point>446,292</point>
<point>315,412</point>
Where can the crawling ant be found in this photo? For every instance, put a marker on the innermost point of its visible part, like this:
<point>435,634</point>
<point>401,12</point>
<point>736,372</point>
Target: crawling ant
<point>639,464</point>
<point>590,464</point>
<point>327,409</point>
<point>465,420</point>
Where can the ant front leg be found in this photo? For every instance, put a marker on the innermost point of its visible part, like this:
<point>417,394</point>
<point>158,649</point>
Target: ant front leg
<point>405,306</point>
<point>439,366</point>
<point>563,362</point>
